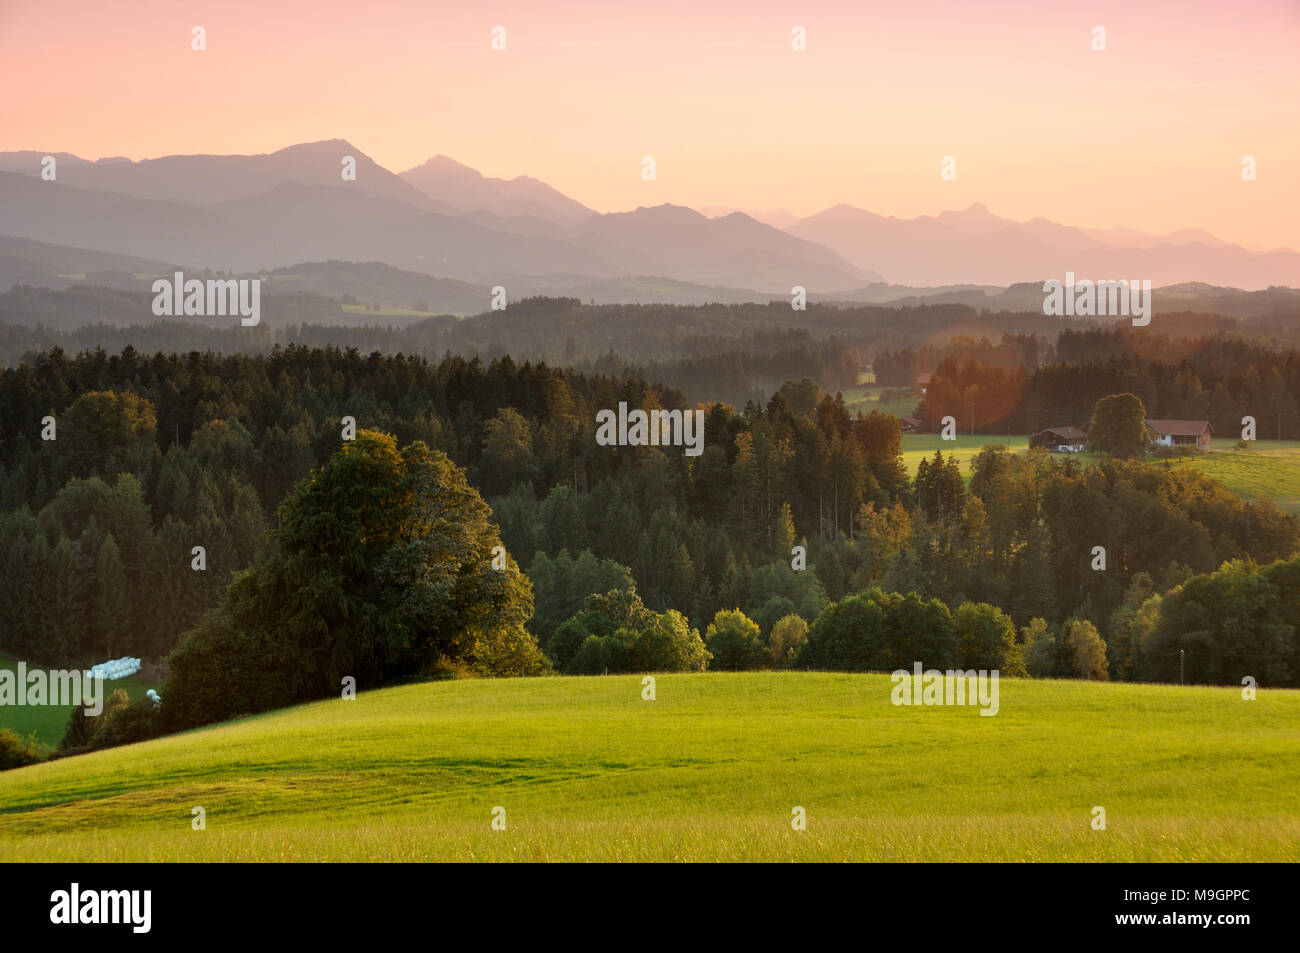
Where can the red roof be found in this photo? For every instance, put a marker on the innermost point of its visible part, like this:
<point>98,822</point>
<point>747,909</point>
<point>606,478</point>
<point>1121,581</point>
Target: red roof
<point>1180,428</point>
<point>923,378</point>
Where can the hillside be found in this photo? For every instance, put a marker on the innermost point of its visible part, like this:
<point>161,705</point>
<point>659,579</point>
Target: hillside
<point>710,770</point>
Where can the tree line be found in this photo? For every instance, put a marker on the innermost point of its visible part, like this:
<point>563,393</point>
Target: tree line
<point>793,506</point>
<point>1220,380</point>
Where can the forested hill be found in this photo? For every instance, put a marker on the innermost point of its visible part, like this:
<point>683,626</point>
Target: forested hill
<point>153,455</point>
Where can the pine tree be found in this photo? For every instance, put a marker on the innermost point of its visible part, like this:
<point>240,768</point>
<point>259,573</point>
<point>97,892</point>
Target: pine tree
<point>109,609</point>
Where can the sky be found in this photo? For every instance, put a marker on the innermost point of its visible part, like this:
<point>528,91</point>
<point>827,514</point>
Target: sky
<point>1148,133</point>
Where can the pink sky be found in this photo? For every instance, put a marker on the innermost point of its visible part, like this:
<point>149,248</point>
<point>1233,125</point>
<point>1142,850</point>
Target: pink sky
<point>1148,134</point>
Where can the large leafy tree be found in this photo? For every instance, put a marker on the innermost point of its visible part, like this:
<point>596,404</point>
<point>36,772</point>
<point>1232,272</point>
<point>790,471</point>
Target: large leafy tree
<point>1119,426</point>
<point>383,568</point>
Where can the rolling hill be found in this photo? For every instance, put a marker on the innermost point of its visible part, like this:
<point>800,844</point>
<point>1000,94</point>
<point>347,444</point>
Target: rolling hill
<point>711,770</point>
<point>27,262</point>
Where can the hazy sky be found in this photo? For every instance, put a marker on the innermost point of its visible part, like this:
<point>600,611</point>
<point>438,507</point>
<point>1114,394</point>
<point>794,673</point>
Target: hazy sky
<point>1149,133</point>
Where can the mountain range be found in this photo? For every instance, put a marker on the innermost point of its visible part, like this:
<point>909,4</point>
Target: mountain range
<point>258,213</point>
<point>976,246</point>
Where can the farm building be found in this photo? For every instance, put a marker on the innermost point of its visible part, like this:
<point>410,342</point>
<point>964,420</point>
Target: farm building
<point>910,424</point>
<point>923,383</point>
<point>1064,439</point>
<point>1180,433</point>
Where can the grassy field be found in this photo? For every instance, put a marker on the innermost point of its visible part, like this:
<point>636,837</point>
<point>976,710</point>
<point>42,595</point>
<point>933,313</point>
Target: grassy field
<point>919,446</point>
<point>49,722</point>
<point>387,312</point>
<point>711,770</point>
<point>1270,469</point>
<point>866,397</point>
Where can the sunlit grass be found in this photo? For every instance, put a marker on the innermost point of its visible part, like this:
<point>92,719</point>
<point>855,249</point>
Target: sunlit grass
<point>710,770</point>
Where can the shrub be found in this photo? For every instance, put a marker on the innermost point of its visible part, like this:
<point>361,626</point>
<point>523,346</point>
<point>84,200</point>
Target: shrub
<point>787,640</point>
<point>566,640</point>
<point>80,731</point>
<point>1040,649</point>
<point>1086,649</point>
<point>1174,453</point>
<point>595,656</point>
<point>733,640</point>
<point>845,636</point>
<point>986,639</point>
<point>18,752</point>
<point>124,722</point>
<point>669,644</point>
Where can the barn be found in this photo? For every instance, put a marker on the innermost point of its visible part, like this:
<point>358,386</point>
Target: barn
<point>1064,439</point>
<point>1180,433</point>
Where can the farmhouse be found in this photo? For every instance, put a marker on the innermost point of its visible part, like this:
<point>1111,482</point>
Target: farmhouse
<point>923,383</point>
<point>1063,439</point>
<point>1180,433</point>
<point>910,424</point>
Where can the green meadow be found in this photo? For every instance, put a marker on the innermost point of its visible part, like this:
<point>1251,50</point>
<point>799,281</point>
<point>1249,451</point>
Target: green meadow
<point>867,397</point>
<point>712,769</point>
<point>50,722</point>
<point>1270,469</point>
<point>921,446</point>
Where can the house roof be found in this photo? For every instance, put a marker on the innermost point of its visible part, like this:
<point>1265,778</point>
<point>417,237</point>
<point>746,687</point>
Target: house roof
<point>923,378</point>
<point>914,422</point>
<point>1070,433</point>
<point>1180,428</point>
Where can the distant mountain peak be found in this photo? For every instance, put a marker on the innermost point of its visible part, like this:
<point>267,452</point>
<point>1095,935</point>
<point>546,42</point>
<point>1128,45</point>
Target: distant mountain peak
<point>976,211</point>
<point>318,145</point>
<point>441,161</point>
<point>668,208</point>
<point>445,180</point>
